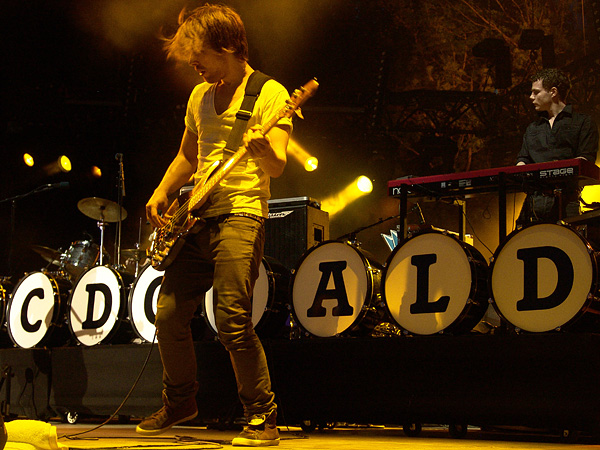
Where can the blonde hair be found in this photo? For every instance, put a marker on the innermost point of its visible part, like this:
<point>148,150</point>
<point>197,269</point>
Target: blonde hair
<point>217,25</point>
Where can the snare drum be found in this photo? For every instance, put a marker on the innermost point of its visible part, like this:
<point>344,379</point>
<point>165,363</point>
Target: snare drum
<point>545,277</point>
<point>79,256</point>
<point>270,300</point>
<point>35,311</point>
<point>97,308</point>
<point>142,302</point>
<point>335,290</point>
<point>435,283</point>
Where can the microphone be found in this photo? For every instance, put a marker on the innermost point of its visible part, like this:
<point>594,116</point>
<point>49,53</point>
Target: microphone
<point>61,185</point>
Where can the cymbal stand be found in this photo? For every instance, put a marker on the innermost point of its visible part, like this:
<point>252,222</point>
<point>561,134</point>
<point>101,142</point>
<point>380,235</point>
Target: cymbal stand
<point>101,225</point>
<point>120,195</point>
<point>138,244</point>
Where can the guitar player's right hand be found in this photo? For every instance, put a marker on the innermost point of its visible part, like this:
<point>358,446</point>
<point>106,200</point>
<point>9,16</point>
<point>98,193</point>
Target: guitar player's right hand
<point>158,202</point>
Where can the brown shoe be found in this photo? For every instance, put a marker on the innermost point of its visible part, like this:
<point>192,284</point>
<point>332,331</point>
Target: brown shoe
<point>166,417</point>
<point>260,431</point>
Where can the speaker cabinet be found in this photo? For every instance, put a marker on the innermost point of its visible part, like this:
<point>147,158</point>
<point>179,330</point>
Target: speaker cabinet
<point>294,225</point>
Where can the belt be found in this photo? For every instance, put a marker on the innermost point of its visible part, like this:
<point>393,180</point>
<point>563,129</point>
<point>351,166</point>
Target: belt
<point>259,219</point>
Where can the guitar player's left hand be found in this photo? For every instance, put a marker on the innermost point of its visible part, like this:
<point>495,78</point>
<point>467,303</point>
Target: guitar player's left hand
<point>269,151</point>
<point>257,144</point>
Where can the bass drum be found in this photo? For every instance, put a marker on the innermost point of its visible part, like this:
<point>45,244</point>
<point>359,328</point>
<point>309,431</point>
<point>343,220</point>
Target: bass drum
<point>270,300</point>
<point>142,302</point>
<point>97,308</point>
<point>436,283</point>
<point>35,311</point>
<point>335,291</point>
<point>544,278</point>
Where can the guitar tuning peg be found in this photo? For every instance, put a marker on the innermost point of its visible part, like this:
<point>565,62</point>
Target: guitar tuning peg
<point>299,113</point>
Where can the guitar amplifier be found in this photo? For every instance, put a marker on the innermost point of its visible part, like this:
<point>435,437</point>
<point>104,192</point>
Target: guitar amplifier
<point>294,225</point>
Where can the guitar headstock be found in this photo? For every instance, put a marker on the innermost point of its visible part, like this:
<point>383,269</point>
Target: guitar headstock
<point>300,96</point>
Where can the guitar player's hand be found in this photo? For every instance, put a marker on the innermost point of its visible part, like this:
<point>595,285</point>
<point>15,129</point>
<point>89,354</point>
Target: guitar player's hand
<point>257,144</point>
<point>158,202</point>
<point>269,151</point>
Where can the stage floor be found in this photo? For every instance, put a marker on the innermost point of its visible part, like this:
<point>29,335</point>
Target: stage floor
<point>345,437</point>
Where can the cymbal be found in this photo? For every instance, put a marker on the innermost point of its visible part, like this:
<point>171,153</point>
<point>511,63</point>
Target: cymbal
<point>101,209</point>
<point>135,253</point>
<point>50,255</point>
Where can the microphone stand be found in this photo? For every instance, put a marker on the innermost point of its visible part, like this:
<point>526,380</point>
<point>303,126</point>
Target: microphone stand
<point>13,215</point>
<point>120,195</point>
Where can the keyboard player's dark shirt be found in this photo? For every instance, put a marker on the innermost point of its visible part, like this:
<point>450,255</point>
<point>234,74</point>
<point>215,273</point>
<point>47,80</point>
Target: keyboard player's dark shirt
<point>572,135</point>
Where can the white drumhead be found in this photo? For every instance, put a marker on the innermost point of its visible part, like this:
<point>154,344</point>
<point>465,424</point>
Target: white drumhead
<point>142,302</point>
<point>95,305</point>
<point>320,265</point>
<point>448,276</point>
<point>31,309</point>
<point>260,299</point>
<point>509,279</point>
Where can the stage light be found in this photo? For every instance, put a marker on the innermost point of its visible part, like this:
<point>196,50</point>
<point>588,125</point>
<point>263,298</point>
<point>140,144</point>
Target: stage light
<point>62,164</point>
<point>309,162</point>
<point>364,184</point>
<point>28,160</point>
<point>359,187</point>
<point>96,172</point>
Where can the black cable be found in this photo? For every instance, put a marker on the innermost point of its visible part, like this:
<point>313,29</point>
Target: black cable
<point>70,436</point>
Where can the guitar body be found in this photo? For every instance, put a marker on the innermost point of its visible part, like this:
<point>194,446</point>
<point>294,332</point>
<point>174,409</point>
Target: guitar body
<point>168,239</point>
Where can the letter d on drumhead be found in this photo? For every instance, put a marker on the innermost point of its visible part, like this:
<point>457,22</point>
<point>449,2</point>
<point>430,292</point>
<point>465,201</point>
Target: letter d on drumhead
<point>542,276</point>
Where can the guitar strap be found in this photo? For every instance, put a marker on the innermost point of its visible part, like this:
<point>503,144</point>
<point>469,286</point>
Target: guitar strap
<point>253,88</point>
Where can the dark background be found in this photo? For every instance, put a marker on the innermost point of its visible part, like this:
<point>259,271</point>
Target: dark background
<point>90,80</point>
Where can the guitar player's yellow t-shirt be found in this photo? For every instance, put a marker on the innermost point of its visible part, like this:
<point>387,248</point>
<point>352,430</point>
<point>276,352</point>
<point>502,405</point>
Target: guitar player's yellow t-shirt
<point>247,188</point>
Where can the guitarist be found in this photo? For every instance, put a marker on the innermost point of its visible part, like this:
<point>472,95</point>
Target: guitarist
<point>228,248</point>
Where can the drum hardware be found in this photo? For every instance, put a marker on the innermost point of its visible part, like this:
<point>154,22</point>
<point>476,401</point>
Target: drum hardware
<point>6,374</point>
<point>434,283</point>
<point>104,211</point>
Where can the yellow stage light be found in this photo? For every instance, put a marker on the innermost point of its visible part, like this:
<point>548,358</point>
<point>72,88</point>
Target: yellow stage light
<point>364,184</point>
<point>28,159</point>
<point>64,163</point>
<point>337,202</point>
<point>311,164</point>
<point>308,161</point>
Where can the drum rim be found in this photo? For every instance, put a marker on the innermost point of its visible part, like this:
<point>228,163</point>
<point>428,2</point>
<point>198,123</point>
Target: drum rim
<point>472,254</point>
<point>594,283</point>
<point>56,313</point>
<point>122,306</point>
<point>369,269</point>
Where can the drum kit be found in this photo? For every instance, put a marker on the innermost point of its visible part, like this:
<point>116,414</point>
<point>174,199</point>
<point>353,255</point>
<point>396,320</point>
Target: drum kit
<point>77,295</point>
<point>542,278</point>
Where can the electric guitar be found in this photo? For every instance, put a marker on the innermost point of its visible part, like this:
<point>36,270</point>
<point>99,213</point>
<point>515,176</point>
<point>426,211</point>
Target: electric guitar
<point>167,240</point>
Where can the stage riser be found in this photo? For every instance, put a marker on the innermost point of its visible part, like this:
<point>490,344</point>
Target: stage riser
<point>541,380</point>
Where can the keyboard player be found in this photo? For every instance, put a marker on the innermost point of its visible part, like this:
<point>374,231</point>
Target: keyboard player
<point>558,133</point>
